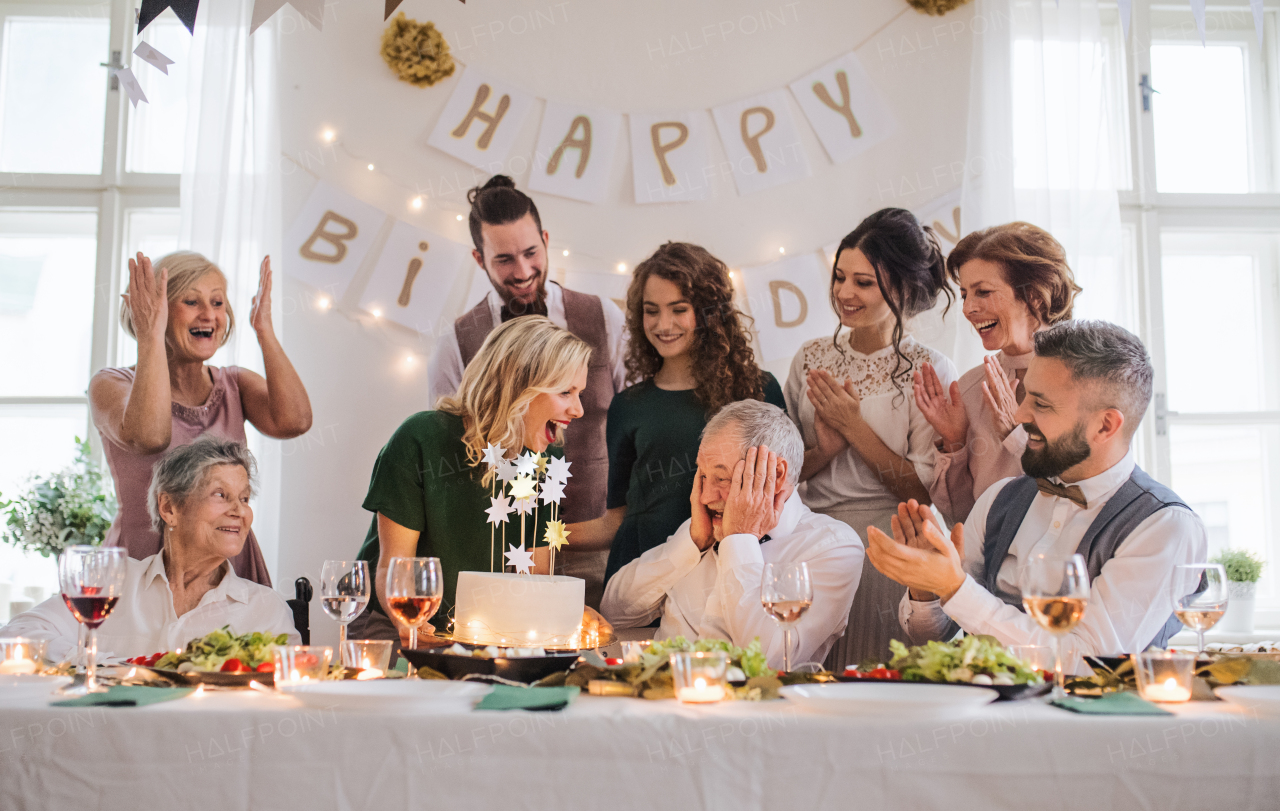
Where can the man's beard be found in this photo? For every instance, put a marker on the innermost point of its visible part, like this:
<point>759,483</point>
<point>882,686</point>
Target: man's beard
<point>514,305</point>
<point>1055,458</point>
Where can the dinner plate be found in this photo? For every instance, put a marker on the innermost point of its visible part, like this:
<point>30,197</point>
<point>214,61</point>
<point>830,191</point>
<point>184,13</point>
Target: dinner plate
<point>1006,692</point>
<point>843,698</point>
<point>1262,698</point>
<point>374,694</point>
<point>29,685</point>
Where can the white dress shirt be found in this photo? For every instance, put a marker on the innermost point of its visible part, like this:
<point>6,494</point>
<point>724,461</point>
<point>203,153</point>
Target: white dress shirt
<point>444,372</point>
<point>144,621</point>
<point>716,595</point>
<point>1128,602</point>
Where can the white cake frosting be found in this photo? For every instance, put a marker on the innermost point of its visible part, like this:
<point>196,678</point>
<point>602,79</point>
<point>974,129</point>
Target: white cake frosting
<point>501,608</point>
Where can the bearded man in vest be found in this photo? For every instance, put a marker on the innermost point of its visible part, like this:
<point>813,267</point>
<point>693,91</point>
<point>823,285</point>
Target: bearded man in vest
<point>511,249</point>
<point>1087,388</point>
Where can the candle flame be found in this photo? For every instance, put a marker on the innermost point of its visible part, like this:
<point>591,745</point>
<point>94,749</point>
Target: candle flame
<point>700,684</point>
<point>1170,682</point>
<point>199,691</point>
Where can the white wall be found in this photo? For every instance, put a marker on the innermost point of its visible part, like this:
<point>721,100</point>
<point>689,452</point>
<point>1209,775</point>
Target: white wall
<point>609,53</point>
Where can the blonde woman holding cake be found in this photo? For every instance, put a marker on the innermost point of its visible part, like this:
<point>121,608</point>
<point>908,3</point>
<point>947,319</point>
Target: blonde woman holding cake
<point>430,486</point>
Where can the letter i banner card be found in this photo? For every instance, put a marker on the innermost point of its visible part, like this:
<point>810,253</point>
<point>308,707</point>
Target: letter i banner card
<point>413,278</point>
<point>330,238</point>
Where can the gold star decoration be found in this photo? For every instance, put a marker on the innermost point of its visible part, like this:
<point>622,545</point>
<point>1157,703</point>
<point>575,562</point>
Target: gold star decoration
<point>522,487</point>
<point>556,536</point>
<point>542,465</point>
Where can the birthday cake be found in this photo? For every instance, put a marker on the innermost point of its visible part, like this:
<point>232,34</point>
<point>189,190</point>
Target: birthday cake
<point>503,608</point>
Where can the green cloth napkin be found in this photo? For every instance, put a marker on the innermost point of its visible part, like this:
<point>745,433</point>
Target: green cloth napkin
<point>122,695</point>
<point>505,697</point>
<point>1125,703</point>
<point>402,665</point>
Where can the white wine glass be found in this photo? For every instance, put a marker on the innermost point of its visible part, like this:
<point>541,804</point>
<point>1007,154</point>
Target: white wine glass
<point>1200,594</point>
<point>786,592</point>
<point>1055,592</point>
<point>414,590</point>
<point>344,592</point>
<point>92,579</point>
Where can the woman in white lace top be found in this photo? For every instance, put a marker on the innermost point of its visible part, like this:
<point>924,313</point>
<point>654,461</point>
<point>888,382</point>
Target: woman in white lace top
<point>868,445</point>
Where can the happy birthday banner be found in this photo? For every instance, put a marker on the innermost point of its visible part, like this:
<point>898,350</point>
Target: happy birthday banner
<point>335,234</point>
<point>670,151</point>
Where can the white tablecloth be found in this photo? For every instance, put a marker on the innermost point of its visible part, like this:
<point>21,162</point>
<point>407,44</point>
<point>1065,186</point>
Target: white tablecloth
<point>230,751</point>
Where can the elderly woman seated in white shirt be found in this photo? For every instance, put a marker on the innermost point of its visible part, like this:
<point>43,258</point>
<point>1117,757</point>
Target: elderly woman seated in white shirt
<point>199,501</point>
<point>705,580</point>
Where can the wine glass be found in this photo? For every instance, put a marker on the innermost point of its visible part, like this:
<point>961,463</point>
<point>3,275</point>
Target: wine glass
<point>1055,591</point>
<point>92,579</point>
<point>1200,593</point>
<point>786,592</point>
<point>415,587</point>
<point>344,592</point>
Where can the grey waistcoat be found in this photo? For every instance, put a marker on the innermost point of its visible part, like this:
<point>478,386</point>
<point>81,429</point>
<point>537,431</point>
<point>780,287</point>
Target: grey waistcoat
<point>1137,499</point>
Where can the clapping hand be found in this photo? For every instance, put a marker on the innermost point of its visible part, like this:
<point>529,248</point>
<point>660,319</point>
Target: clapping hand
<point>147,299</point>
<point>839,406</point>
<point>260,315</point>
<point>945,413</point>
<point>1001,394</point>
<point>754,503</point>
<point>918,555</point>
<point>830,441</point>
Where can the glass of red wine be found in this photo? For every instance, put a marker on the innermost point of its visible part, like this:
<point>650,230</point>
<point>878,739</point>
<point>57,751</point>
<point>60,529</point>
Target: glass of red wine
<point>415,587</point>
<point>92,578</point>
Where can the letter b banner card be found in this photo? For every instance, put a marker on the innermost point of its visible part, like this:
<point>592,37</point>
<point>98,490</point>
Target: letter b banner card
<point>844,107</point>
<point>576,147</point>
<point>480,122</point>
<point>330,238</point>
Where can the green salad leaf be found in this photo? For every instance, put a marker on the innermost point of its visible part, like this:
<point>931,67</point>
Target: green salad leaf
<point>750,660</point>
<point>210,651</point>
<point>961,662</point>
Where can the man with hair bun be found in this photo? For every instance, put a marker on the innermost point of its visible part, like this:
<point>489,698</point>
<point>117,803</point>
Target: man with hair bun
<point>511,249</point>
<point>1088,387</point>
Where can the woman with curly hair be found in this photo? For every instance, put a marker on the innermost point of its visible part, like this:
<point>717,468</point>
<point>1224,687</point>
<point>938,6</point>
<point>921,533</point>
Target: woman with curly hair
<point>695,358</point>
<point>869,447</point>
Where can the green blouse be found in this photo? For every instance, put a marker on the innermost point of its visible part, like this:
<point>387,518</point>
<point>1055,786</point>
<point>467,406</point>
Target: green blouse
<point>422,481</point>
<point>653,437</point>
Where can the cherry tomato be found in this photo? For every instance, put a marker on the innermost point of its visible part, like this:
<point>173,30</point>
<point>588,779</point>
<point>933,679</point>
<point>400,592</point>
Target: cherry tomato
<point>266,667</point>
<point>234,666</point>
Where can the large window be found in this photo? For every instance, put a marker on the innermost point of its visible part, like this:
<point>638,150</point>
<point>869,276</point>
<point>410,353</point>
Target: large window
<point>86,181</point>
<point>1205,216</point>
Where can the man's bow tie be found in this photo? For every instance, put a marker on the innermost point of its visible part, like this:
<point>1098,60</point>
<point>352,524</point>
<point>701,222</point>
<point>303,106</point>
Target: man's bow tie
<point>1067,491</point>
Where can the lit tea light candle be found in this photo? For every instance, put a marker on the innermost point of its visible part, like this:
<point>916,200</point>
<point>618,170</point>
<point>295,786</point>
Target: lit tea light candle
<point>701,692</point>
<point>371,656</point>
<point>20,655</point>
<point>1165,676</point>
<point>699,676</point>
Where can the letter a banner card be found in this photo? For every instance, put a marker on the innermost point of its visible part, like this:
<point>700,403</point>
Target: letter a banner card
<point>576,146</point>
<point>761,141</point>
<point>669,159</point>
<point>845,109</point>
<point>789,300</point>
<point>413,277</point>
<point>330,238</point>
<point>480,121</point>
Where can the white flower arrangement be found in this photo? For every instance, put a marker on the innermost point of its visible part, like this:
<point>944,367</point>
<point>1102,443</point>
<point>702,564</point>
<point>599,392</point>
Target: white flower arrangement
<point>73,506</point>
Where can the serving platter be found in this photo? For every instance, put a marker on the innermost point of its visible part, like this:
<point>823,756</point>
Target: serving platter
<point>523,669</point>
<point>193,678</point>
<point>888,698</point>
<point>377,694</point>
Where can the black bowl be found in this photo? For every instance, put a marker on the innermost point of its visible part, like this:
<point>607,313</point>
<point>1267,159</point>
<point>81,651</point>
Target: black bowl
<point>525,669</point>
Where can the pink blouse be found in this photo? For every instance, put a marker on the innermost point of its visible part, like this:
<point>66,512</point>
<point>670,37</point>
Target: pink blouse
<point>986,458</point>
<point>221,416</point>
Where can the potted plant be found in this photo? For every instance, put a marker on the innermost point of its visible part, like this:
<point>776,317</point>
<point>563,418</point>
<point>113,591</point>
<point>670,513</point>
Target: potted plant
<point>73,506</point>
<point>1243,570</point>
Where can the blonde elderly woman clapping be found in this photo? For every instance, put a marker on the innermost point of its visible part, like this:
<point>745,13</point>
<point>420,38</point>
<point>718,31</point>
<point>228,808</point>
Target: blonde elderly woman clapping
<point>199,503</point>
<point>180,314</point>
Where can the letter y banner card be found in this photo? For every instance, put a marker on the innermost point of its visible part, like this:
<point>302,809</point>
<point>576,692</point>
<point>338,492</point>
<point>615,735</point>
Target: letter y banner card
<point>480,122</point>
<point>576,146</point>
<point>329,239</point>
<point>844,107</point>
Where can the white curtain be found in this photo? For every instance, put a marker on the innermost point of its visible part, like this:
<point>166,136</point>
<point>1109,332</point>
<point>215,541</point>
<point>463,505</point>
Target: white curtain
<point>231,196</point>
<point>1043,139</point>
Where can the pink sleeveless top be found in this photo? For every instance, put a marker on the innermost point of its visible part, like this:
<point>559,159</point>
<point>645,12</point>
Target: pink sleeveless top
<point>221,416</point>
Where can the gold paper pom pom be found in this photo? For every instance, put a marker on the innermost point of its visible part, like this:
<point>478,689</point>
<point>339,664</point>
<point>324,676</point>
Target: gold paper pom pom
<point>416,51</point>
<point>936,8</point>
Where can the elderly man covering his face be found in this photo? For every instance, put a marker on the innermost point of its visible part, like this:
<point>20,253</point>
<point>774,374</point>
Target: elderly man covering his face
<point>705,580</point>
<point>199,502</point>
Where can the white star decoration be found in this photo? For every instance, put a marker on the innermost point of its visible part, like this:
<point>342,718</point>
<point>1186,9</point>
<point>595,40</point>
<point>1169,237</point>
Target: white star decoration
<point>524,506</point>
<point>499,509</point>
<point>558,469</point>
<point>552,491</point>
<point>520,558</point>
<point>526,464</point>
<point>506,471</point>
<point>493,455</point>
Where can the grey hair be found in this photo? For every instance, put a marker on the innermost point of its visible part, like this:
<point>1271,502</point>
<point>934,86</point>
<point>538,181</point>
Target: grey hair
<point>757,423</point>
<point>1110,356</point>
<point>185,469</point>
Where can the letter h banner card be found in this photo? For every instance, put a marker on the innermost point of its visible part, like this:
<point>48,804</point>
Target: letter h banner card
<point>480,122</point>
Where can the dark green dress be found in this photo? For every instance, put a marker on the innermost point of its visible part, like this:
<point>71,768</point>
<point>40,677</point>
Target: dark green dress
<point>423,482</point>
<point>653,437</point>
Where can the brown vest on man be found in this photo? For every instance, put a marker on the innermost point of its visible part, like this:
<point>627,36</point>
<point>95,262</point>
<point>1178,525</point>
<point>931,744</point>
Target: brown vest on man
<point>584,440</point>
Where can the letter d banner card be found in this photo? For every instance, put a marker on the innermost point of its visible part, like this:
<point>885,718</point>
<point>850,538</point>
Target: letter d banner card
<point>330,238</point>
<point>844,107</point>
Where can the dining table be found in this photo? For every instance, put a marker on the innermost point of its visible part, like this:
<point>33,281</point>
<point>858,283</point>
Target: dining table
<point>248,749</point>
